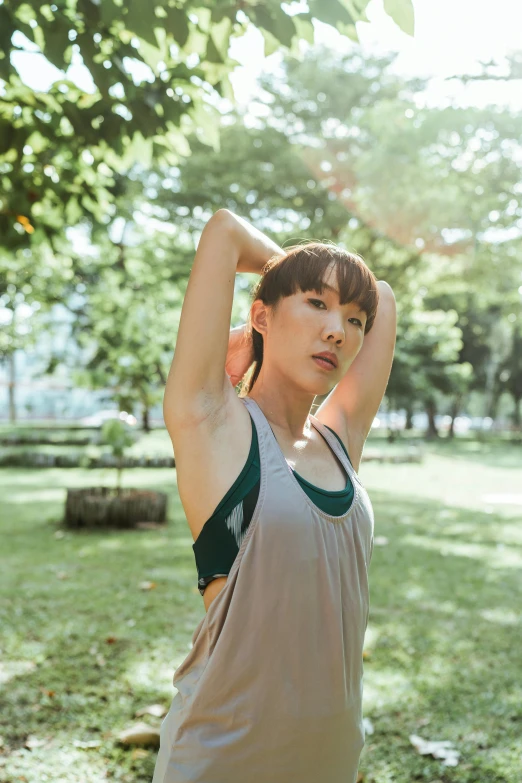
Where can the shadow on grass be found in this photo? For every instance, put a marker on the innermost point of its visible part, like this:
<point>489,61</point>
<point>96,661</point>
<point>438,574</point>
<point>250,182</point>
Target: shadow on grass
<point>501,454</point>
<point>85,647</point>
<point>444,643</point>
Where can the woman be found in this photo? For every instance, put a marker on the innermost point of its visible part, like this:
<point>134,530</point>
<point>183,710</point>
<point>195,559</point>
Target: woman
<point>271,690</point>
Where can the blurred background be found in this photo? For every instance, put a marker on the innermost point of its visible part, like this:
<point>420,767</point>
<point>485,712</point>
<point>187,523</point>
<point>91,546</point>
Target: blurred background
<point>391,127</point>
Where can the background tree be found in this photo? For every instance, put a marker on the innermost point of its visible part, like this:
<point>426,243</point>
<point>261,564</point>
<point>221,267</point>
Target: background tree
<point>60,150</point>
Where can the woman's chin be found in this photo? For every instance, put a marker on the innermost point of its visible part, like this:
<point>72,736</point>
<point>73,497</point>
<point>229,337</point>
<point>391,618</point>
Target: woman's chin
<point>321,388</point>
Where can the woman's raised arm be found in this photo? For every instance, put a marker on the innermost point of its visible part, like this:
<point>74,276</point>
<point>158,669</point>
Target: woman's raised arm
<point>197,383</point>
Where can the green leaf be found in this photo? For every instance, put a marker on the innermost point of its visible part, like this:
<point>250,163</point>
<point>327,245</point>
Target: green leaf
<point>150,54</point>
<point>141,20</point>
<point>196,42</point>
<point>304,29</point>
<point>225,89</point>
<point>402,13</point>
<point>142,149</point>
<point>178,142</point>
<point>276,22</point>
<point>350,31</point>
<point>285,27</point>
<point>37,142</point>
<point>332,12</point>
<point>73,211</point>
<point>206,122</point>
<point>212,54</point>
<point>177,25</point>
<point>109,11</point>
<point>221,36</point>
<point>56,41</point>
<point>357,9</point>
<point>271,43</point>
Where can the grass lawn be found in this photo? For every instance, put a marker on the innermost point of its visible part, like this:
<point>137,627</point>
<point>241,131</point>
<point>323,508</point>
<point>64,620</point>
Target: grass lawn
<point>83,647</point>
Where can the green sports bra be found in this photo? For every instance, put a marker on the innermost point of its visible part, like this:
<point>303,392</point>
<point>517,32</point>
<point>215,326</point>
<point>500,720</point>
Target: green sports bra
<point>218,543</point>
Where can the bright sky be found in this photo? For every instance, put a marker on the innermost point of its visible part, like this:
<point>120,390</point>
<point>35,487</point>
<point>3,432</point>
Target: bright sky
<point>451,37</point>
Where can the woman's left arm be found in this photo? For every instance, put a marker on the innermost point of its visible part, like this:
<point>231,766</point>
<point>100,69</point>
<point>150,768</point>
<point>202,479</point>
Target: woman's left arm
<point>354,402</point>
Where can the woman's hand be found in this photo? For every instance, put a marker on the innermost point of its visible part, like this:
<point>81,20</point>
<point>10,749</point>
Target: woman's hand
<point>240,354</point>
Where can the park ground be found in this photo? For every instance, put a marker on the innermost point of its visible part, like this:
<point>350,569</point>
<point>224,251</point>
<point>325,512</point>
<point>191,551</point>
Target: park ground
<point>93,625</point>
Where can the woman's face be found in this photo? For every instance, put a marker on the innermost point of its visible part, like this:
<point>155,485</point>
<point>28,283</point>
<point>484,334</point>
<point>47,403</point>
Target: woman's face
<point>308,323</point>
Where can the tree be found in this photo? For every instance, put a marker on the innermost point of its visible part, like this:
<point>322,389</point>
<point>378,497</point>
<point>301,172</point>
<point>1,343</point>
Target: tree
<point>511,374</point>
<point>125,323</point>
<point>426,362</point>
<point>60,150</point>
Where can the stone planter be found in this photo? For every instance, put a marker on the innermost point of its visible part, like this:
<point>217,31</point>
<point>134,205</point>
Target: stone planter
<point>105,507</point>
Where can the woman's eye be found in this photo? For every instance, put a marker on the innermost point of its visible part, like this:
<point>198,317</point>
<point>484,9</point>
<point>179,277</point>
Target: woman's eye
<point>317,302</point>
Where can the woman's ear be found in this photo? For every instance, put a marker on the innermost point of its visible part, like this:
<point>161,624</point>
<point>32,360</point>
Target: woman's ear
<point>259,316</point>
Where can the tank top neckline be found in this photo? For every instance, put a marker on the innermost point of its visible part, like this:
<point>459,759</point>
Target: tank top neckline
<point>338,452</point>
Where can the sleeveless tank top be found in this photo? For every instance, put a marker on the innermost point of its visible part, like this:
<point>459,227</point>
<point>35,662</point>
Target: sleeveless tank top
<point>218,542</point>
<point>271,690</point>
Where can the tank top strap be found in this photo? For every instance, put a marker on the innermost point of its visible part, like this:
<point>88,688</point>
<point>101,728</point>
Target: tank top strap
<point>262,425</point>
<point>335,447</point>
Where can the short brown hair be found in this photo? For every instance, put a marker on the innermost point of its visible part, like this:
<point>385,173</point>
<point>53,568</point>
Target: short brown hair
<point>303,268</point>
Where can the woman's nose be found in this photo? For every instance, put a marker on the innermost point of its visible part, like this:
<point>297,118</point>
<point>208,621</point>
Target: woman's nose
<point>336,329</point>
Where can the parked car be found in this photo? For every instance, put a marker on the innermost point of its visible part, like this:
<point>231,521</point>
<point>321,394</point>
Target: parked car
<point>397,420</point>
<point>97,419</point>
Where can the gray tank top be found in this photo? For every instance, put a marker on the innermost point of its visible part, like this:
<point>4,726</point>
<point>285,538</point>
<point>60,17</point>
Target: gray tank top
<point>271,690</point>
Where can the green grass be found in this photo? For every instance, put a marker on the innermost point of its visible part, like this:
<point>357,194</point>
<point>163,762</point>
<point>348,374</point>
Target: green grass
<point>83,647</point>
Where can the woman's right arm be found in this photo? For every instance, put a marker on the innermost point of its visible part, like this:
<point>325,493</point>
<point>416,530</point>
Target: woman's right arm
<point>255,248</point>
<point>197,383</point>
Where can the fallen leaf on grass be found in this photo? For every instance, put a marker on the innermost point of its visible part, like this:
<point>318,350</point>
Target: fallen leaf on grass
<point>150,525</point>
<point>158,710</point>
<point>111,639</point>
<point>380,541</point>
<point>140,734</point>
<point>86,744</point>
<point>139,753</point>
<point>147,585</point>
<point>33,742</point>
<point>443,750</point>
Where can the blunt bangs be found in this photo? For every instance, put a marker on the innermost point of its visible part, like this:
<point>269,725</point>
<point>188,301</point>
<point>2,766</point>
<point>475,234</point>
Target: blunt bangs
<point>304,268</point>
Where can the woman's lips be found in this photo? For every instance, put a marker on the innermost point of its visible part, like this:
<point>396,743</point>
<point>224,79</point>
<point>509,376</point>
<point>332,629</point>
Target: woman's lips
<point>324,363</point>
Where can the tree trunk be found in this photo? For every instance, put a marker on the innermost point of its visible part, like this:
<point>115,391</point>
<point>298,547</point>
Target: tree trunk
<point>392,432</point>
<point>517,420</point>
<point>409,418</point>
<point>492,403</point>
<point>431,410</point>
<point>11,385</point>
<point>145,423</point>
<point>106,507</point>
<point>454,412</point>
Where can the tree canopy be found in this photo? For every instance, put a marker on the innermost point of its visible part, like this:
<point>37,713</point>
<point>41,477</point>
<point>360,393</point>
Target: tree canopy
<point>61,149</point>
